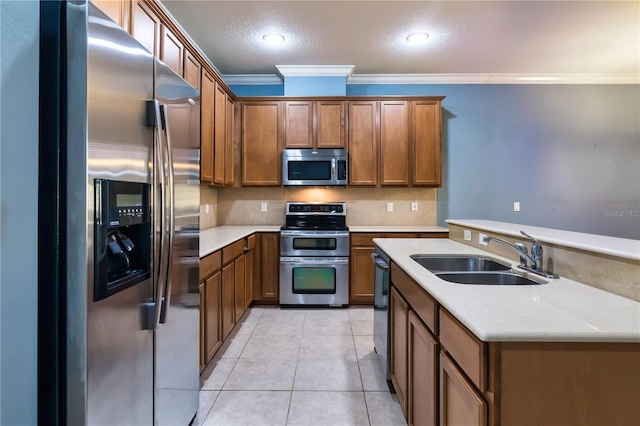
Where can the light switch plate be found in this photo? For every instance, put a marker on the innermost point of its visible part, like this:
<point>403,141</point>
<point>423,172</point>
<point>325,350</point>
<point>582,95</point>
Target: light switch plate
<point>467,235</point>
<point>263,206</point>
<point>389,207</point>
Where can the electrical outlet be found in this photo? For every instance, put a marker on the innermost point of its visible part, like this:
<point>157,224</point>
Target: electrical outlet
<point>389,207</point>
<point>481,240</point>
<point>467,235</point>
<point>414,206</point>
<point>516,206</point>
<point>206,208</point>
<point>263,206</point>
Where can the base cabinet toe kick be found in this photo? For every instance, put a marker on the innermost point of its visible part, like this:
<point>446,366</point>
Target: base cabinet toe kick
<point>443,374</point>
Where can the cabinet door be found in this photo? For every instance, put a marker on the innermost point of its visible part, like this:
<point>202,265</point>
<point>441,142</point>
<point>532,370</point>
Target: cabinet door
<point>212,308</point>
<point>240,265</point>
<point>427,160</point>
<point>219,131</point>
<point>394,143</point>
<point>206,127</point>
<point>203,326</point>
<point>399,314</point>
<point>422,394</point>
<point>228,296</point>
<point>262,143</point>
<point>362,275</point>
<point>145,27</point>
<point>171,50</point>
<point>298,124</point>
<point>460,404</point>
<point>270,256</point>
<point>118,10</point>
<point>248,279</point>
<point>330,124</point>
<point>230,151</point>
<point>191,69</point>
<point>363,143</point>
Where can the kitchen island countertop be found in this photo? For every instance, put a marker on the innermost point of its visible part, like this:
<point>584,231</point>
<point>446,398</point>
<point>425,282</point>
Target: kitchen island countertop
<point>561,310</point>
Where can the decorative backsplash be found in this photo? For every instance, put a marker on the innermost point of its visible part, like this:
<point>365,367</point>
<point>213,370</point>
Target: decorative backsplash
<point>365,206</point>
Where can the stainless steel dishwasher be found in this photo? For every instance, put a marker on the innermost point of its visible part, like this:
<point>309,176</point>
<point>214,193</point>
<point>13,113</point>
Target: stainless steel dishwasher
<point>381,311</point>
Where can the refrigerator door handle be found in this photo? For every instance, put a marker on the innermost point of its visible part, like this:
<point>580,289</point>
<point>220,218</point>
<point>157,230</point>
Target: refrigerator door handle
<point>166,299</point>
<point>154,117</point>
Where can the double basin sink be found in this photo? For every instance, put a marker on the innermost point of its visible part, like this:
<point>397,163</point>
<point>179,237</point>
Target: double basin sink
<point>471,270</point>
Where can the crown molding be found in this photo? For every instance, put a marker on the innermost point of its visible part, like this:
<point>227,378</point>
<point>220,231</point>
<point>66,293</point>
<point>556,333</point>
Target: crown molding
<point>315,70</point>
<point>264,79</point>
<point>494,79</point>
<point>252,79</point>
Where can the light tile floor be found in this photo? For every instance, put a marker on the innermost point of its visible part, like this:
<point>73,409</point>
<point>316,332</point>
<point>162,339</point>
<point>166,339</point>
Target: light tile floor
<point>298,367</point>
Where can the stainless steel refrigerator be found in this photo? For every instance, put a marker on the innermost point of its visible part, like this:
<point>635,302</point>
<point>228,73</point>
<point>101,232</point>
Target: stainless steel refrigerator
<point>118,227</point>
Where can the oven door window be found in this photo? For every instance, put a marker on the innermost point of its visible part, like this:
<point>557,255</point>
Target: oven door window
<point>309,170</point>
<point>314,280</point>
<point>315,243</point>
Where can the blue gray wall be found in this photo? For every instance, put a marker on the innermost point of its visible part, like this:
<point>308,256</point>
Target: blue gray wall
<point>19,44</point>
<point>570,154</point>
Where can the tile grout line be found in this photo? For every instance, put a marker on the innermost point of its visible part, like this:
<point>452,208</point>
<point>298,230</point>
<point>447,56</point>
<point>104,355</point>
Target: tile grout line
<point>364,396</point>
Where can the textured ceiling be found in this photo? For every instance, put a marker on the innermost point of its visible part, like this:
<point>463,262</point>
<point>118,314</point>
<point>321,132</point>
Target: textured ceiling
<point>466,37</point>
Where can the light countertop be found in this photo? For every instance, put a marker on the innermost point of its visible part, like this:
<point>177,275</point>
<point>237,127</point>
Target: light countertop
<point>213,239</point>
<point>562,310</point>
<point>613,246</point>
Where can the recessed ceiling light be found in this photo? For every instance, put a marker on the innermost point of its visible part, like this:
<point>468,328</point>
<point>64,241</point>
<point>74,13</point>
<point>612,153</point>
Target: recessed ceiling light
<point>273,38</point>
<point>416,38</point>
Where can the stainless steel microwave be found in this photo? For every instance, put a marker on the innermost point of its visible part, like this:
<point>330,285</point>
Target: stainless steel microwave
<point>308,167</point>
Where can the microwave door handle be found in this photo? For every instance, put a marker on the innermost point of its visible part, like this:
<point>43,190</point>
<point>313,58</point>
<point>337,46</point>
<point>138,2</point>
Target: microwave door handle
<point>334,171</point>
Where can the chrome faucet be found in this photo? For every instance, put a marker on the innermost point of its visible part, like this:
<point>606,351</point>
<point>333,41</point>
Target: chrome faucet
<point>535,259</point>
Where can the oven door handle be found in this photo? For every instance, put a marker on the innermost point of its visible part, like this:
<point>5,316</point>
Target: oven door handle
<point>316,260</point>
<point>379,262</point>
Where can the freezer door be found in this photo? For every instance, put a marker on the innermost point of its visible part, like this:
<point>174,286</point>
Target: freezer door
<point>177,334</point>
<point>119,147</point>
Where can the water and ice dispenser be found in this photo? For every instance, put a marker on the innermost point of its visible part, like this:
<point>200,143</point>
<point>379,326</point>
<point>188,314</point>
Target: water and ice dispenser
<point>122,240</point>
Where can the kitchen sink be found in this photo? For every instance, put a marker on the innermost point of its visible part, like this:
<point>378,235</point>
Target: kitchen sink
<point>435,263</point>
<point>486,278</point>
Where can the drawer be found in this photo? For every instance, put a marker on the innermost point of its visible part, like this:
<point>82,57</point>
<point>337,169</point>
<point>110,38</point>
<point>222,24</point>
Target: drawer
<point>420,301</point>
<point>467,350</point>
<point>232,251</point>
<point>251,242</point>
<point>401,235</point>
<point>209,264</point>
<point>434,235</point>
<point>364,239</point>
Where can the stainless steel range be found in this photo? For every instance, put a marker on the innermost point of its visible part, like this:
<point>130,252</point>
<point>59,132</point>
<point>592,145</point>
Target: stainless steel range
<point>314,255</point>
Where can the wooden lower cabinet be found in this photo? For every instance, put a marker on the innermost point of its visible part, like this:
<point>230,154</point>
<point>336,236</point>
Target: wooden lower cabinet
<point>240,301</point>
<point>399,317</point>
<point>266,285</point>
<point>202,304</point>
<point>228,299</point>
<point>248,279</point>
<point>213,332</point>
<point>362,272</point>
<point>460,403</point>
<point>422,393</point>
<point>444,374</point>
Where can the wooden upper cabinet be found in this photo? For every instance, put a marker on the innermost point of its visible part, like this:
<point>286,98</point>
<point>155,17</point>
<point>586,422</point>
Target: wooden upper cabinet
<point>298,124</point>
<point>220,127</point>
<point>363,143</point>
<point>314,124</point>
<point>261,143</point>
<point>426,129</point>
<point>206,127</point>
<point>394,143</point>
<point>330,124</point>
<point>145,27</point>
<point>118,10</point>
<point>171,50</point>
<point>192,69</point>
<point>230,148</point>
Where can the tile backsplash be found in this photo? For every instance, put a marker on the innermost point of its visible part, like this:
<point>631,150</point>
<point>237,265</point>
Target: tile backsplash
<point>365,206</point>
<point>208,207</point>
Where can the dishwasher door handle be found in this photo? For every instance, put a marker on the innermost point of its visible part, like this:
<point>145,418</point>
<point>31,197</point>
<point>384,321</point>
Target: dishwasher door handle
<point>379,262</point>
